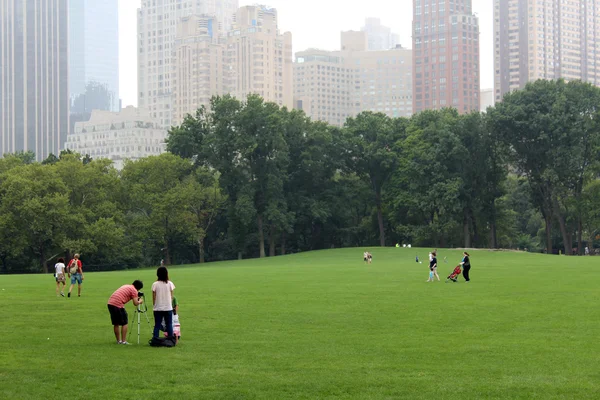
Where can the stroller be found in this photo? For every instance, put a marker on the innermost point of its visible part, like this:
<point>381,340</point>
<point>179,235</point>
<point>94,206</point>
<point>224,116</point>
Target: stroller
<point>453,276</point>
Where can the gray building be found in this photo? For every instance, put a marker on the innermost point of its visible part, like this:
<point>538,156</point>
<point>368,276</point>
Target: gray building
<point>34,97</point>
<point>93,57</point>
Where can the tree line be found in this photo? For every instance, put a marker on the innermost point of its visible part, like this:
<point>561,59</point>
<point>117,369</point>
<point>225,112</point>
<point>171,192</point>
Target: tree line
<point>250,179</point>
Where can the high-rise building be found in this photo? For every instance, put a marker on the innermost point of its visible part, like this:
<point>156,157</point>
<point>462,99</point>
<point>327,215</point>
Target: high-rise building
<point>34,96</point>
<point>251,58</point>
<point>260,57</point>
<point>334,85</point>
<point>380,37</point>
<point>199,65</point>
<point>130,134</point>
<point>445,55</point>
<point>545,40</point>
<point>93,57</point>
<point>157,30</point>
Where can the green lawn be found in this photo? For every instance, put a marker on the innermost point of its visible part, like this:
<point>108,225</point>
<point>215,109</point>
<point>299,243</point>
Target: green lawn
<point>319,325</point>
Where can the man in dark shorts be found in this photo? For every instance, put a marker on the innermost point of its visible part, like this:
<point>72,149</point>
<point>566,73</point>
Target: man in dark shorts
<point>116,308</point>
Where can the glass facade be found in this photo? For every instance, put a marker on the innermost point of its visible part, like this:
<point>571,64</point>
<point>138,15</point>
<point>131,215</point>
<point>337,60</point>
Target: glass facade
<point>93,57</point>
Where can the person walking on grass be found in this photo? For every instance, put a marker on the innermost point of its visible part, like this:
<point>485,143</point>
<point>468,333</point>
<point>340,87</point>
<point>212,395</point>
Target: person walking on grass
<point>433,268</point>
<point>76,274</point>
<point>116,308</point>
<point>466,264</point>
<point>59,274</point>
<point>162,299</point>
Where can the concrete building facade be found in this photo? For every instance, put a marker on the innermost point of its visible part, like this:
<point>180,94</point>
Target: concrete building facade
<point>333,85</point>
<point>260,57</point>
<point>157,30</point>
<point>545,40</point>
<point>253,57</point>
<point>445,55</point>
<point>34,99</point>
<point>130,134</point>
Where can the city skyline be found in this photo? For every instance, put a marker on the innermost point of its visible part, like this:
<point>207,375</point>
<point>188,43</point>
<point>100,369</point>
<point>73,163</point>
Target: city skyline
<point>299,19</point>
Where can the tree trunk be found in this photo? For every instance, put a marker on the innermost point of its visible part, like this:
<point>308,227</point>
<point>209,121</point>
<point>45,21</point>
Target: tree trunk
<point>43,260</point>
<point>548,221</point>
<point>283,243</point>
<point>272,242</point>
<point>167,253</point>
<point>201,249</point>
<point>493,227</point>
<point>261,236</point>
<point>380,219</point>
<point>579,237</point>
<point>239,255</point>
<point>466,230</point>
<point>567,242</point>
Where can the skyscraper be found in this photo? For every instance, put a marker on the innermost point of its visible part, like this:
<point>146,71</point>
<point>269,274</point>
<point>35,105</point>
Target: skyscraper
<point>94,55</point>
<point>252,57</point>
<point>260,57</point>
<point>34,97</point>
<point>545,40</point>
<point>446,55</point>
<point>157,29</point>
<point>380,37</point>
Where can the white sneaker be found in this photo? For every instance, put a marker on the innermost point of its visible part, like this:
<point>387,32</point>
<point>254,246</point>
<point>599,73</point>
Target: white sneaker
<point>126,343</point>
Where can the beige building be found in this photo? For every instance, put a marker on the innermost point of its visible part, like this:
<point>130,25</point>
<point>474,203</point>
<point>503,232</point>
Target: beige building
<point>259,57</point>
<point>157,31</point>
<point>334,85</point>
<point>252,57</point>
<point>199,65</point>
<point>545,40</point>
<point>130,134</point>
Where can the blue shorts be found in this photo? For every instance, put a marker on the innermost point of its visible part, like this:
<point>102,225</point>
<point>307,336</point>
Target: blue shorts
<point>76,278</point>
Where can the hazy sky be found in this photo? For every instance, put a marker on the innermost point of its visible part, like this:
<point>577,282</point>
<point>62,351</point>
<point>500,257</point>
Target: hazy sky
<point>313,23</point>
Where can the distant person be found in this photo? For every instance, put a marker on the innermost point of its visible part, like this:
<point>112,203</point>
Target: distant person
<point>466,264</point>
<point>587,251</point>
<point>59,274</point>
<point>162,299</point>
<point>76,274</point>
<point>116,308</point>
<point>433,268</point>
<point>366,257</point>
<point>370,258</point>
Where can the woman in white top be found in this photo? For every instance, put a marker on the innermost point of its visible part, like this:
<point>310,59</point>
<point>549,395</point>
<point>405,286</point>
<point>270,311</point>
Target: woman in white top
<point>162,295</point>
<point>59,274</point>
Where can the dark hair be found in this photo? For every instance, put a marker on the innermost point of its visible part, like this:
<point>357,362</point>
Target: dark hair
<point>434,254</point>
<point>139,285</point>
<point>162,274</point>
<point>467,254</point>
<point>61,260</point>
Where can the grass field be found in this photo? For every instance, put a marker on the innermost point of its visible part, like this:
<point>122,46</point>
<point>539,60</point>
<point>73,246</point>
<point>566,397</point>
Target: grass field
<point>319,325</point>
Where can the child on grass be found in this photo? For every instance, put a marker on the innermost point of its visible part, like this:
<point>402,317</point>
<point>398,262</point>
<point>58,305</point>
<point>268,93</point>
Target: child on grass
<point>176,324</point>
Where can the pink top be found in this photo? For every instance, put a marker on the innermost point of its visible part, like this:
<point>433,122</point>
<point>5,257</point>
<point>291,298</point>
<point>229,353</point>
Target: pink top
<point>122,295</point>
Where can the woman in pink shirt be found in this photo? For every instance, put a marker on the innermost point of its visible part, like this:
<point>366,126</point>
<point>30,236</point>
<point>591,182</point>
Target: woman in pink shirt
<point>116,308</point>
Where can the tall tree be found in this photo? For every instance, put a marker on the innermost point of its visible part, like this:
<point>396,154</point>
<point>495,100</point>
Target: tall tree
<point>552,130</point>
<point>370,155</point>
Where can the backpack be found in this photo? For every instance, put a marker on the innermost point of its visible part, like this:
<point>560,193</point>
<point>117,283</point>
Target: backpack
<point>73,268</point>
<point>162,342</point>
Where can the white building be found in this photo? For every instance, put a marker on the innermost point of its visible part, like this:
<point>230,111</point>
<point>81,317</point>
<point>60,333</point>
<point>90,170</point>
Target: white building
<point>130,134</point>
<point>486,99</point>
<point>380,37</point>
